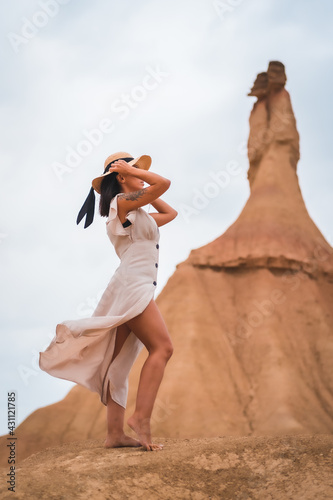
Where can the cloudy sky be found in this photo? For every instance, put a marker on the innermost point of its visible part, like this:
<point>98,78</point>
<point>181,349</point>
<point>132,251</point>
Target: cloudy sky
<point>169,78</point>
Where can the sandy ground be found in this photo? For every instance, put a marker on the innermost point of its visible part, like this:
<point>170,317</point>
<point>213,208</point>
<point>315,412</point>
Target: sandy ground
<point>237,468</point>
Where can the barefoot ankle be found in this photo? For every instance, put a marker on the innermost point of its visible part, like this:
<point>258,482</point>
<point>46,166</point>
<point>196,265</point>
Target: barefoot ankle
<point>115,434</point>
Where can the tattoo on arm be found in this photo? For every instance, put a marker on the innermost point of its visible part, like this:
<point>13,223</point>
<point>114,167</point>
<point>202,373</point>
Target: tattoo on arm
<point>135,195</point>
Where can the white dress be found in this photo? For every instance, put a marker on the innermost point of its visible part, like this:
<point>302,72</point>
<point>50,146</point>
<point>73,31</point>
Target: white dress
<point>82,349</point>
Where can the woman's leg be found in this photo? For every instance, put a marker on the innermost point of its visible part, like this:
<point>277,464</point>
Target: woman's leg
<point>114,412</point>
<point>151,329</point>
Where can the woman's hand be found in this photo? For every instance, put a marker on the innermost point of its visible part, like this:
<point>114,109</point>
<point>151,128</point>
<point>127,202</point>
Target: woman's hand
<point>122,167</point>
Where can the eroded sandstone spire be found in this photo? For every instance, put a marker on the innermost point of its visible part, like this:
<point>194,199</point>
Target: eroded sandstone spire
<point>250,313</point>
<point>274,228</point>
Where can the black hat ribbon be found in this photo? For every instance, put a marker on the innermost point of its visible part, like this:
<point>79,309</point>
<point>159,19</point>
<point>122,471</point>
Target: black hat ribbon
<point>88,207</point>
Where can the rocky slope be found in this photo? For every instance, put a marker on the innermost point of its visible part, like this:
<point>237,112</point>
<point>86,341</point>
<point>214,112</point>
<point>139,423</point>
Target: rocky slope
<point>235,468</point>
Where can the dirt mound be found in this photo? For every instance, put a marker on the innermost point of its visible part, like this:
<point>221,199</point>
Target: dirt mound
<point>236,468</point>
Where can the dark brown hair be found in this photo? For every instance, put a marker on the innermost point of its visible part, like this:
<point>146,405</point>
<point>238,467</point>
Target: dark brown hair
<point>109,188</point>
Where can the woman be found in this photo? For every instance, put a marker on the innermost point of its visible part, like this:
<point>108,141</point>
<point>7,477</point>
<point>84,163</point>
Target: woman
<point>98,352</point>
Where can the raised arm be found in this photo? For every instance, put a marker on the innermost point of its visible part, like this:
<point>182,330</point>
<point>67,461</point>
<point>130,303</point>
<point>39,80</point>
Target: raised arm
<point>133,200</point>
<point>165,213</point>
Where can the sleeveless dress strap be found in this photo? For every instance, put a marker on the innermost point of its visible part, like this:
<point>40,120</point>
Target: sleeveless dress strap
<point>113,221</point>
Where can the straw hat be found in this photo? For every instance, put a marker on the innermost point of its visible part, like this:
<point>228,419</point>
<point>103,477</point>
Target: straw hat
<point>88,207</point>
<point>143,162</point>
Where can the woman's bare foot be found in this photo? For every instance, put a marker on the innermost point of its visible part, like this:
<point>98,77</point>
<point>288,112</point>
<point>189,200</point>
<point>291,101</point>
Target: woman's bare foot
<point>120,440</point>
<point>142,428</point>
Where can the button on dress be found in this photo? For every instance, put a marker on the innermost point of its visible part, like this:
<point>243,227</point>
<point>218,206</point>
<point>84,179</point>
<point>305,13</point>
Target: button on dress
<point>82,349</point>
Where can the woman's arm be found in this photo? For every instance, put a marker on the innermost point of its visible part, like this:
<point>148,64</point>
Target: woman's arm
<point>131,201</point>
<point>165,213</point>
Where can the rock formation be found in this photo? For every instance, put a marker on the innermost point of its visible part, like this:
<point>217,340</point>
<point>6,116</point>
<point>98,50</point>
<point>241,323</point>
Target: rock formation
<point>250,313</point>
